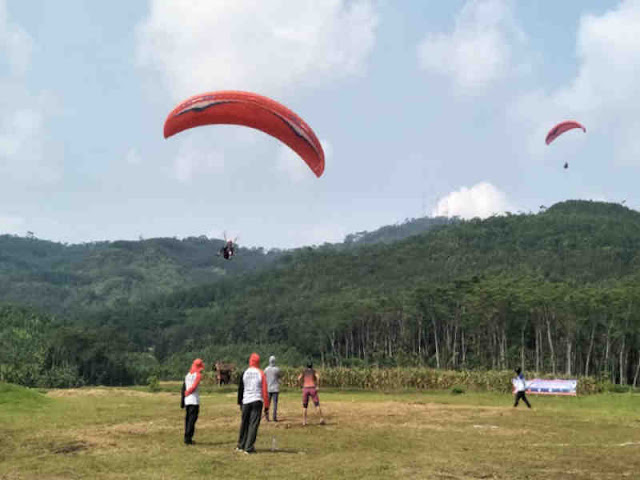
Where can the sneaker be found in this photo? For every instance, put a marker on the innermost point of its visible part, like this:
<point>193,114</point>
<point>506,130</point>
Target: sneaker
<point>239,449</point>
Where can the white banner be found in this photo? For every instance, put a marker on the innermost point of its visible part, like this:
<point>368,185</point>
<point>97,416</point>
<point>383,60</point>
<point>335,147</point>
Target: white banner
<point>539,386</point>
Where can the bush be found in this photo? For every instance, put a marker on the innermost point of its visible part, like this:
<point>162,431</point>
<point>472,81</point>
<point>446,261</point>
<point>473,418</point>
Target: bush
<point>457,390</point>
<point>613,388</point>
<point>65,376</point>
<point>153,383</point>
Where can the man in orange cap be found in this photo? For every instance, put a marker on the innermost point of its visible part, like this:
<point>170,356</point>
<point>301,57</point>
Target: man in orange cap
<point>252,396</point>
<point>192,399</point>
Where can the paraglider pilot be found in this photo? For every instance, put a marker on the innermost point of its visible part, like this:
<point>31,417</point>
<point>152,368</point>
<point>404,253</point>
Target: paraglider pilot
<point>228,250</point>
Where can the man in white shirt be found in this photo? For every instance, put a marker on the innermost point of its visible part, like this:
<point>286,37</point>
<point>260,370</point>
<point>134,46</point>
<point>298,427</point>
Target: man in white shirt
<point>192,399</point>
<point>252,396</point>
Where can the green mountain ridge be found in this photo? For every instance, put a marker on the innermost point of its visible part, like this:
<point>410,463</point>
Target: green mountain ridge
<point>314,297</point>
<point>64,278</point>
<point>557,291</point>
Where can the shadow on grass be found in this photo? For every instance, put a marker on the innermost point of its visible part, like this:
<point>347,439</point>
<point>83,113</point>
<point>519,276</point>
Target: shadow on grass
<point>280,450</point>
<point>212,444</point>
<point>231,445</point>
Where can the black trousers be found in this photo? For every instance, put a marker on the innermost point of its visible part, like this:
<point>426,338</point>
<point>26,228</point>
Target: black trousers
<point>190,420</point>
<point>521,395</point>
<point>251,414</point>
<point>273,401</point>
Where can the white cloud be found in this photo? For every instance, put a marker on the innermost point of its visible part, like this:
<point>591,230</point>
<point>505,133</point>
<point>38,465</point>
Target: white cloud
<point>132,157</point>
<point>482,200</point>
<point>17,128</point>
<point>289,163</point>
<point>194,159</point>
<point>480,49</point>
<point>15,44</point>
<point>26,155</point>
<point>11,224</point>
<point>266,46</point>
<point>604,94</point>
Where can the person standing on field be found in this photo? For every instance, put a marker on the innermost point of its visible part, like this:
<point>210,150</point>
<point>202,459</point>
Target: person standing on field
<point>310,381</point>
<point>273,386</point>
<point>192,399</point>
<point>520,385</point>
<point>252,397</point>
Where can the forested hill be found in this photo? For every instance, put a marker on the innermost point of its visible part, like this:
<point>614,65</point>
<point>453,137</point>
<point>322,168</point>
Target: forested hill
<point>556,291</point>
<point>476,293</point>
<point>400,231</point>
<point>64,278</point>
<point>68,279</point>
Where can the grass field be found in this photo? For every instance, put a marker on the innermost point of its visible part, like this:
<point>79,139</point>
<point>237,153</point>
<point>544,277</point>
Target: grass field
<point>107,433</point>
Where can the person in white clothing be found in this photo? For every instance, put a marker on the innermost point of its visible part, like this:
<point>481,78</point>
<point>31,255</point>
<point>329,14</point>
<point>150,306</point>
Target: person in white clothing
<point>520,385</point>
<point>252,397</point>
<point>192,399</point>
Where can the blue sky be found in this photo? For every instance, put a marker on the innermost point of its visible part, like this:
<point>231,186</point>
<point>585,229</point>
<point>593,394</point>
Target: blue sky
<point>424,107</point>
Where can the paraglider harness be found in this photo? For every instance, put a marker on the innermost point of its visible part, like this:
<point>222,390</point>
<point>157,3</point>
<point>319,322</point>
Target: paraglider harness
<point>228,250</point>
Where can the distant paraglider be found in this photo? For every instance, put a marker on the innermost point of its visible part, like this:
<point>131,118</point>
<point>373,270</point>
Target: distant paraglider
<point>249,110</point>
<point>229,248</point>
<point>561,128</point>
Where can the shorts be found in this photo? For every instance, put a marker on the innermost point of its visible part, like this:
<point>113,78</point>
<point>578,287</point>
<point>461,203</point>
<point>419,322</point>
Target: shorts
<point>310,392</point>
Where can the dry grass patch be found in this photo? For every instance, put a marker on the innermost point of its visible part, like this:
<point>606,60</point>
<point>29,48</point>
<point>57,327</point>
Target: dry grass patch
<point>102,392</point>
<point>65,448</point>
<point>89,433</point>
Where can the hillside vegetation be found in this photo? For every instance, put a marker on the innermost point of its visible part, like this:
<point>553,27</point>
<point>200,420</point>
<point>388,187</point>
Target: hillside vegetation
<point>555,292</point>
<point>70,278</point>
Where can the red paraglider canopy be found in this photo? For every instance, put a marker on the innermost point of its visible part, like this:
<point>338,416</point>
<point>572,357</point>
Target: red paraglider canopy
<point>562,127</point>
<point>249,110</point>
